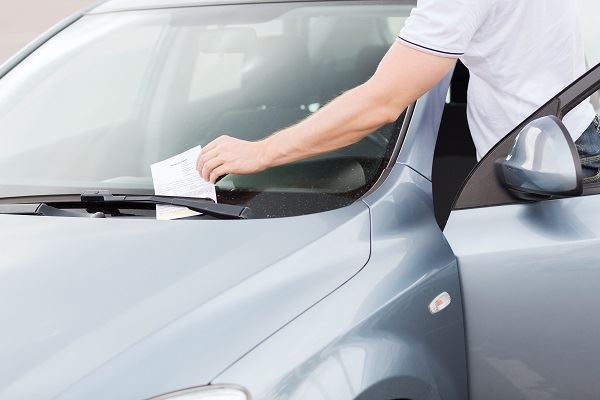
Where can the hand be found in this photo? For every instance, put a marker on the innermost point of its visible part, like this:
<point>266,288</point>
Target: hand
<point>227,155</point>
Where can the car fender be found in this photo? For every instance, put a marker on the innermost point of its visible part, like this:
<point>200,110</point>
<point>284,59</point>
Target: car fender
<point>375,333</point>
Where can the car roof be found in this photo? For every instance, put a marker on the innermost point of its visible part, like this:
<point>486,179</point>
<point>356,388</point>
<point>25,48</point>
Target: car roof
<point>125,5</point>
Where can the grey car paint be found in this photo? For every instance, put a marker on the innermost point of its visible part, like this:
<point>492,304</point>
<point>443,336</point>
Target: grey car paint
<point>146,332</point>
<point>336,309</point>
<point>419,144</point>
<point>134,323</point>
<point>162,326</point>
<point>530,277</point>
<point>529,273</point>
<point>374,338</point>
<point>107,318</point>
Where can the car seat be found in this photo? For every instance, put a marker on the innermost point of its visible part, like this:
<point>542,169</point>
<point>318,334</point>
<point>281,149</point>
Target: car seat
<point>276,90</point>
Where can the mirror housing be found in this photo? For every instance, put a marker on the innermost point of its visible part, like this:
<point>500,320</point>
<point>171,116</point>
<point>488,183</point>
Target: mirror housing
<point>543,162</point>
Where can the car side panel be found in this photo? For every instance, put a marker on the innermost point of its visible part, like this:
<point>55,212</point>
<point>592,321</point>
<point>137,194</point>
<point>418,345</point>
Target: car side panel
<point>530,276</point>
<point>419,146</point>
<point>374,337</point>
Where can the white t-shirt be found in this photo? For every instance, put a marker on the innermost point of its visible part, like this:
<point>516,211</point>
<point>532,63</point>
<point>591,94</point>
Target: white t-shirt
<point>520,54</point>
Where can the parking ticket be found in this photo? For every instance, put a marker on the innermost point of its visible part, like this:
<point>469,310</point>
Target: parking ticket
<point>177,176</point>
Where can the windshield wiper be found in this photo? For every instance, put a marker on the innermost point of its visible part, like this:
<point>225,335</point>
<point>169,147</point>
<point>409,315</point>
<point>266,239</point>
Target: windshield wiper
<point>45,210</point>
<point>201,205</point>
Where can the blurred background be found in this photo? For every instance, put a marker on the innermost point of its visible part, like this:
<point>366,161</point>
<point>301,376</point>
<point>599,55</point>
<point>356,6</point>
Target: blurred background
<point>22,20</point>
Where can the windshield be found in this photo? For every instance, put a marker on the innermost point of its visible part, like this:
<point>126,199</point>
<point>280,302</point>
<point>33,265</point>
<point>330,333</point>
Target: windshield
<point>100,102</point>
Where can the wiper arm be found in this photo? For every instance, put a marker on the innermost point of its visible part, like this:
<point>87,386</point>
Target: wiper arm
<point>201,205</point>
<point>45,210</point>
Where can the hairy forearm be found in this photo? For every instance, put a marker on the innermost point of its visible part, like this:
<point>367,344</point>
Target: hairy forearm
<point>403,75</point>
<point>344,121</point>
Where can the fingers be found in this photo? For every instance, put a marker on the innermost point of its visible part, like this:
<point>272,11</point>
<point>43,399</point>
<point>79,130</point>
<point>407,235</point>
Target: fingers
<point>216,173</point>
<point>228,155</point>
<point>209,166</point>
<point>205,157</point>
<point>211,146</point>
<point>209,151</point>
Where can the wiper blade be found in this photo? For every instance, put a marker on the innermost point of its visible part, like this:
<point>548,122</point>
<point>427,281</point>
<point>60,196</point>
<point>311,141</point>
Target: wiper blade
<point>43,209</point>
<point>201,205</point>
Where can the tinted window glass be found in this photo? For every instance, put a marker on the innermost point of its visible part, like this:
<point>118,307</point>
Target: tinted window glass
<point>114,93</point>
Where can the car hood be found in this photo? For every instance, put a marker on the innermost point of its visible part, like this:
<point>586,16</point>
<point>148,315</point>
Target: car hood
<point>130,309</point>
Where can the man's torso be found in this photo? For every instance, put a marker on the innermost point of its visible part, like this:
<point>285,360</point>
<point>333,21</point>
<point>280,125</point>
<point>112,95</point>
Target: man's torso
<point>524,53</point>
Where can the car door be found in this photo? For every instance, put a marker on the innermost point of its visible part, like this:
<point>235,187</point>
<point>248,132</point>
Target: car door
<point>530,275</point>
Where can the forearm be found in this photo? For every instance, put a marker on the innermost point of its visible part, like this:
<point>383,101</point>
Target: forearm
<point>344,121</point>
<point>403,75</point>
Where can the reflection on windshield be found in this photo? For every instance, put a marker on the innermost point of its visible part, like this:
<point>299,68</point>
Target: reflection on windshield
<point>114,93</point>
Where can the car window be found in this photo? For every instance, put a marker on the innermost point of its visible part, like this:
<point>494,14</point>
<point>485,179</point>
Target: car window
<point>116,92</point>
<point>60,115</point>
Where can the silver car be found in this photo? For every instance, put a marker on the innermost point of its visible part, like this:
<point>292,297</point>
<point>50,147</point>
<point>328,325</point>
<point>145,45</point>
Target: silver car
<point>347,276</point>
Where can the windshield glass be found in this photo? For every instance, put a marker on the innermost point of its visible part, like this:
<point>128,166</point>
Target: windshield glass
<point>116,92</point>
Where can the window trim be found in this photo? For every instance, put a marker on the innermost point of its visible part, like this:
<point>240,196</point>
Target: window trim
<point>401,125</point>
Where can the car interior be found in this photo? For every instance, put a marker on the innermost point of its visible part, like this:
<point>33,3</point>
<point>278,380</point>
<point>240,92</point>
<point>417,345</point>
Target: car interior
<point>287,101</point>
<point>280,79</point>
<point>272,101</point>
<point>455,154</point>
<point>273,93</point>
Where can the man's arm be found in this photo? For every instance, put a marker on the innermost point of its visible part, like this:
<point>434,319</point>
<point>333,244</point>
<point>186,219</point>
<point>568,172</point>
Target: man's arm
<point>403,76</point>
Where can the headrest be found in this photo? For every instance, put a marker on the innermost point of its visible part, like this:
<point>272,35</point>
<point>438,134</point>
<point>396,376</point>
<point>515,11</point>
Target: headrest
<point>277,73</point>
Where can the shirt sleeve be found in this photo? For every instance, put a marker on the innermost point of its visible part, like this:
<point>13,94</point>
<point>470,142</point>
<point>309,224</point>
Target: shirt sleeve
<point>444,27</point>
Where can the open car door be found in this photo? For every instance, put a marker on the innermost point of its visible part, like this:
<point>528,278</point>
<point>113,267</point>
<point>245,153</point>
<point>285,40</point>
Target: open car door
<point>530,274</point>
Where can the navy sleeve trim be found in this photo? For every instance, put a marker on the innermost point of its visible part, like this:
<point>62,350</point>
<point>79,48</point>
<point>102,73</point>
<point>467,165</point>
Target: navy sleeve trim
<point>430,49</point>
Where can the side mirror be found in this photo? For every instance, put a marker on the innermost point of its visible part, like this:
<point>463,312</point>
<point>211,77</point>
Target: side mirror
<point>543,162</point>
